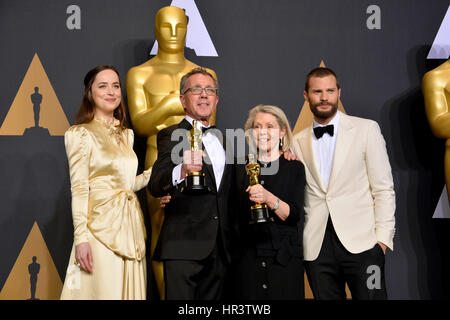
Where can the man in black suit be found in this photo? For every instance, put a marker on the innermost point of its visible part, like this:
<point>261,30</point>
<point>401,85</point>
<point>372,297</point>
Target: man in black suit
<point>194,243</point>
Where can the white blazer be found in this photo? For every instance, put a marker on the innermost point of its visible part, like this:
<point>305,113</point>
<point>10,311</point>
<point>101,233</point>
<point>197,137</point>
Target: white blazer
<point>360,198</point>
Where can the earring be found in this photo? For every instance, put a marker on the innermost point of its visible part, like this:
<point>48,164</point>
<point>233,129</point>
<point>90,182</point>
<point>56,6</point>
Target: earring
<point>281,143</point>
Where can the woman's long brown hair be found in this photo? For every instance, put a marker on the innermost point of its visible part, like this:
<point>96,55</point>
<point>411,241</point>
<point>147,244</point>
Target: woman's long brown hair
<point>87,109</point>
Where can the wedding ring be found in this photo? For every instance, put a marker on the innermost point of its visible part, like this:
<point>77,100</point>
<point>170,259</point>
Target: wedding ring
<point>77,263</point>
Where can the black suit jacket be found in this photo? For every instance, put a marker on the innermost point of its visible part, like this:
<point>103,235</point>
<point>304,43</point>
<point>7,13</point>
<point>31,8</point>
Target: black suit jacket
<point>191,223</point>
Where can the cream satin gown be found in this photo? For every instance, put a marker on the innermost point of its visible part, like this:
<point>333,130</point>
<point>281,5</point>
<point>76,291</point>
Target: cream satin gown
<point>106,213</point>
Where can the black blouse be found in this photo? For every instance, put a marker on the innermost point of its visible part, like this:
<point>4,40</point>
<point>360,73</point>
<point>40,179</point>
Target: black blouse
<point>279,239</point>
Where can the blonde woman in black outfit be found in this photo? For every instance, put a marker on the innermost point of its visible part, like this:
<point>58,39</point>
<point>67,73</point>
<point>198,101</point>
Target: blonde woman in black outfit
<point>268,260</point>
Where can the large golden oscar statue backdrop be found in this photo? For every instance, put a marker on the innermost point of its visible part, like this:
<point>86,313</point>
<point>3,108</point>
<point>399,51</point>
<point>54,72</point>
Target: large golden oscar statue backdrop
<point>153,90</point>
<point>436,91</point>
<point>36,109</point>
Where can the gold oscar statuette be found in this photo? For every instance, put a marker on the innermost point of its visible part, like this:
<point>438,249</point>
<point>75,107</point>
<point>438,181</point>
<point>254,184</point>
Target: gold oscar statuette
<point>436,92</point>
<point>259,211</point>
<point>194,182</point>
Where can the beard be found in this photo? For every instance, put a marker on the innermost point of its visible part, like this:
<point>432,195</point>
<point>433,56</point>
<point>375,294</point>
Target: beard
<point>324,114</point>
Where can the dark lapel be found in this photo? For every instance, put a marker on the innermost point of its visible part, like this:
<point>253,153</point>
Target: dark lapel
<point>184,124</point>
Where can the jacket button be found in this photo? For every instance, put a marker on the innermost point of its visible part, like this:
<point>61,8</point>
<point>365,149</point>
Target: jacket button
<point>215,217</point>
<point>130,197</point>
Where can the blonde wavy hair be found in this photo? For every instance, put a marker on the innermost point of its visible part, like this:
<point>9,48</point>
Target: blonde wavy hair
<point>281,119</point>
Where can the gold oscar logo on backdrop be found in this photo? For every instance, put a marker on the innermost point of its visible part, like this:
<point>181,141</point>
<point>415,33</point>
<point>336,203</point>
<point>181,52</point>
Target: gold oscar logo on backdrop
<point>36,109</point>
<point>304,120</point>
<point>34,275</point>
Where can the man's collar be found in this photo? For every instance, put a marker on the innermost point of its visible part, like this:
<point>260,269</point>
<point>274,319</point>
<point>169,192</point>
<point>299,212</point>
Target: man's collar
<point>334,121</point>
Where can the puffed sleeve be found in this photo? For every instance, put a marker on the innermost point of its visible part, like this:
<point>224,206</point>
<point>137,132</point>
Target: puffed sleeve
<point>142,179</point>
<point>78,151</point>
<point>129,134</point>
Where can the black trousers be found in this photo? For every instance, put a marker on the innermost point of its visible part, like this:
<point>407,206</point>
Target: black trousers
<point>196,280</point>
<point>335,266</point>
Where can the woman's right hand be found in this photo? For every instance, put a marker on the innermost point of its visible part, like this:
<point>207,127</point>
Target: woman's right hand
<point>83,255</point>
<point>257,193</point>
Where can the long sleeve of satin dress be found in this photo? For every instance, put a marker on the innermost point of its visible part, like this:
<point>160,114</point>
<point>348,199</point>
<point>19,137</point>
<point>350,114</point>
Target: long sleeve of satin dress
<point>106,213</point>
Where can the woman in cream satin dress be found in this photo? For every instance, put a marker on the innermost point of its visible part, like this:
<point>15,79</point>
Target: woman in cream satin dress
<point>108,255</point>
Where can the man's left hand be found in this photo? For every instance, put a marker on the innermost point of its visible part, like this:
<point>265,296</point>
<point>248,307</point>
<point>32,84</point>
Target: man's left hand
<point>289,155</point>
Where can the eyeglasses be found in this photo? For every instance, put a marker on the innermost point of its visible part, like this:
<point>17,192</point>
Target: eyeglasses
<point>198,91</point>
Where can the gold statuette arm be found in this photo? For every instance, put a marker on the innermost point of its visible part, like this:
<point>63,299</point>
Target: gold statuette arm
<point>147,119</point>
<point>436,101</point>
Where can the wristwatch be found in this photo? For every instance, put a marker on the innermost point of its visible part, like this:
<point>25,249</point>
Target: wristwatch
<point>277,205</point>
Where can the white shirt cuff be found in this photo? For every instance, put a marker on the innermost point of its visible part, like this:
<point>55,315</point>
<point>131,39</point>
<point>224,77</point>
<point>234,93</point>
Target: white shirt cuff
<point>176,172</point>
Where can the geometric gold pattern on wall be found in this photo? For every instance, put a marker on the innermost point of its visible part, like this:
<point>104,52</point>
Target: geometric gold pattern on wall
<point>34,274</point>
<point>36,109</point>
